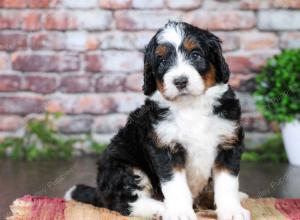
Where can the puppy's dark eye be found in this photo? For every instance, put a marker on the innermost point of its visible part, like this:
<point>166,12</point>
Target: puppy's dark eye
<point>195,55</point>
<point>163,62</point>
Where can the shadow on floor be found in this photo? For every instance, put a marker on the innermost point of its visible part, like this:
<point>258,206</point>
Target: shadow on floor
<point>53,178</point>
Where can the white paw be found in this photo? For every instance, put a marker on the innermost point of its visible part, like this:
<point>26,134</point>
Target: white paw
<point>234,213</point>
<point>180,214</point>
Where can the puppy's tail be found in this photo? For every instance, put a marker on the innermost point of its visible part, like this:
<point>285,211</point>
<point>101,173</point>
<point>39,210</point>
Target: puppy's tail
<point>85,194</point>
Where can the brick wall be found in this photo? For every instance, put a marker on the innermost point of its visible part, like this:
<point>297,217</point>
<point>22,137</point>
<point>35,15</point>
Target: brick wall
<point>82,57</point>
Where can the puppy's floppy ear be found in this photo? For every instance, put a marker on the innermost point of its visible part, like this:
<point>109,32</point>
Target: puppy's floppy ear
<point>149,86</point>
<point>222,69</point>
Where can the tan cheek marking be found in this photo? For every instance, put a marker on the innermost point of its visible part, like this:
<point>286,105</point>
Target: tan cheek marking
<point>210,77</point>
<point>161,50</point>
<point>190,44</point>
<point>160,86</point>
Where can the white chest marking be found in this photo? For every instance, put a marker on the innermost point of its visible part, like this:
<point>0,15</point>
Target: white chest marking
<point>199,131</point>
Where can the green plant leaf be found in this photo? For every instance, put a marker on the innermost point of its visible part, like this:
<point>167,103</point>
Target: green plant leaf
<point>277,92</point>
<point>43,141</point>
<point>272,150</point>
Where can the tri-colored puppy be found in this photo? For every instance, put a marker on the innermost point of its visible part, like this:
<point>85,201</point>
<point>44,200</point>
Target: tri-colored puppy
<point>187,131</point>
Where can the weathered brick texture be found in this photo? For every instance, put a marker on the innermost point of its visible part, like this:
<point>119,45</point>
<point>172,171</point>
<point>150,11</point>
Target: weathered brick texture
<point>45,62</point>
<point>84,57</point>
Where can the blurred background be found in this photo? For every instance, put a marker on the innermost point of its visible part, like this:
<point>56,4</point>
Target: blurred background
<point>76,66</point>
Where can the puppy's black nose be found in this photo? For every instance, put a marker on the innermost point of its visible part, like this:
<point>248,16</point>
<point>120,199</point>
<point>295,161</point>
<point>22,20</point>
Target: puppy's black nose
<point>181,82</point>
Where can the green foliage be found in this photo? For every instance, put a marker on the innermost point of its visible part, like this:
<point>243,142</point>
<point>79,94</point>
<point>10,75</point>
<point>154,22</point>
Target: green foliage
<point>94,145</point>
<point>270,151</point>
<point>278,87</point>
<point>43,141</point>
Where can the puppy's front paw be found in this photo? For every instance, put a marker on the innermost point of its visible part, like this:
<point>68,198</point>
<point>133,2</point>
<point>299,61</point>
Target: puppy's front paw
<point>233,213</point>
<point>179,214</point>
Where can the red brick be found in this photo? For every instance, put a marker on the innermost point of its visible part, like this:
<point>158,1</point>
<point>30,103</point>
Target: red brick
<point>76,40</point>
<point>254,122</point>
<point>93,63</point>
<point>258,59</point>
<point>249,62</point>
<point>32,21</point>
<point>84,4</point>
<point>47,41</point>
<point>93,20</point>
<point>60,21</point>
<point>42,3</point>
<point>92,43</point>
<point>143,4</point>
<point>290,40</point>
<point>239,63</point>
<point>10,122</point>
<point>12,3</point>
<point>10,20</point>
<point>141,39</point>
<point>127,102</point>
<point>293,4</point>
<point>222,20</point>
<point>259,41</point>
<point>255,4</point>
<point>141,20</point>
<point>10,42</point>
<point>110,123</point>
<point>110,83</point>
<point>230,41</point>
<point>134,82</point>
<point>39,84</point>
<point>21,105</point>
<point>116,40</point>
<point>75,125</point>
<point>45,63</point>
<point>75,84</point>
<point>85,20</point>
<point>278,20</point>
<point>83,104</point>
<point>187,4</point>
<point>114,61</point>
<point>4,61</point>
<point>95,103</point>
<point>115,4</point>
<point>9,83</point>
<point>221,5</point>
<point>243,82</point>
<point>247,102</point>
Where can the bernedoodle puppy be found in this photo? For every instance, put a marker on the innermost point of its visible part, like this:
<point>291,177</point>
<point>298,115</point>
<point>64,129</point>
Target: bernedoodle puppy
<point>187,131</point>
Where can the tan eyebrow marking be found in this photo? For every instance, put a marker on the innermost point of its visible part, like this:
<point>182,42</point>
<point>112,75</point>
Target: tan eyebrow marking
<point>161,50</point>
<point>160,86</point>
<point>190,44</point>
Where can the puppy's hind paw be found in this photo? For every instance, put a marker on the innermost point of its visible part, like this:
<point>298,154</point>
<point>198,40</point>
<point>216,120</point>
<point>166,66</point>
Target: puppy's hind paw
<point>236,213</point>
